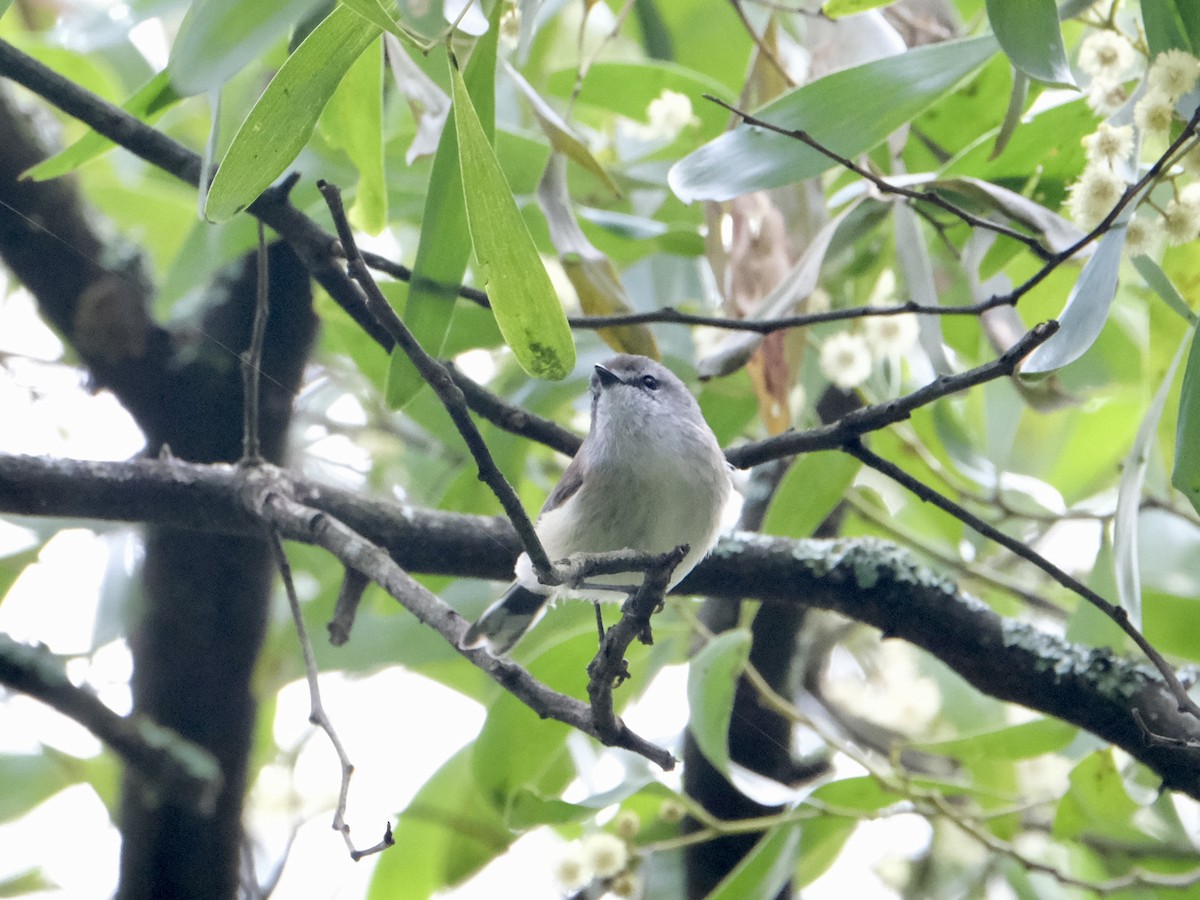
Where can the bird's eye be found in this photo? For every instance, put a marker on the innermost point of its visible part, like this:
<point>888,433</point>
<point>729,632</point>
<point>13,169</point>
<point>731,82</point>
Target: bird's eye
<point>650,382</point>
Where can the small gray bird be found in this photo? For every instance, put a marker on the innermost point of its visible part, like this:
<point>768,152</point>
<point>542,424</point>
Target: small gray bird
<point>649,476</point>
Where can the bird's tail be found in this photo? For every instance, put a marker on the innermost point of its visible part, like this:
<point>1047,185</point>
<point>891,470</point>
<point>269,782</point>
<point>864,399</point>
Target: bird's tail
<point>505,621</point>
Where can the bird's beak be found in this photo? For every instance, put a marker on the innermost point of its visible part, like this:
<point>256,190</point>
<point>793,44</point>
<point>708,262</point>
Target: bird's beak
<point>607,377</point>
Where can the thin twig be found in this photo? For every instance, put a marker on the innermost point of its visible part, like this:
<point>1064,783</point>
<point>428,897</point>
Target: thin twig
<point>316,710</point>
<point>609,668</point>
<point>763,48</point>
<point>252,356</point>
<point>438,378</point>
<point>856,449</point>
<point>883,184</point>
<point>872,418</point>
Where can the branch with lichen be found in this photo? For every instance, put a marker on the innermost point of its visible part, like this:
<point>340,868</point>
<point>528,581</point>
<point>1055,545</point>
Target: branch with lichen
<point>868,580</point>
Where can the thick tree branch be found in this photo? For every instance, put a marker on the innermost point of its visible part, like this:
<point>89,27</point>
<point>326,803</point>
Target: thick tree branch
<point>171,768</point>
<point>867,580</point>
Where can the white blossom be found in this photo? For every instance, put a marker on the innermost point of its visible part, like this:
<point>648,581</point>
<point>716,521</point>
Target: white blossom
<point>1154,112</point>
<point>1106,54</point>
<point>1094,195</point>
<point>573,870</point>
<point>1142,235</point>
<point>1174,73</point>
<point>1109,144</point>
<point>606,854</point>
<point>845,360</point>
<point>1106,96</point>
<point>890,335</point>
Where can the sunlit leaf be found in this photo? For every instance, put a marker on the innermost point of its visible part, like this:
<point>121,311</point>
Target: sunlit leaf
<point>526,306</point>
<point>872,101</point>
<point>1086,310</point>
<point>766,869</point>
<point>445,244</point>
<point>155,97</point>
<point>448,831</point>
<point>284,117</point>
<point>712,679</point>
<point>562,138</point>
<point>1024,741</point>
<point>219,37</point>
<point>837,9</point>
<point>813,486</point>
<point>375,12</point>
<point>1029,35</point>
<point>913,255</point>
<point>353,121</point>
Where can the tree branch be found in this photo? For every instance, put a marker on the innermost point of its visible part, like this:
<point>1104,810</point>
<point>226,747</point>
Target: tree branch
<point>872,418</point>
<point>867,580</point>
<point>171,767</point>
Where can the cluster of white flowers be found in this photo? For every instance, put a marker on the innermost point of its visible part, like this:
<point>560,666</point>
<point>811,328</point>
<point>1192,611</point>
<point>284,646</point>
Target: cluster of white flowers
<point>1109,58</point>
<point>602,857</point>
<point>848,357</point>
<point>666,116</point>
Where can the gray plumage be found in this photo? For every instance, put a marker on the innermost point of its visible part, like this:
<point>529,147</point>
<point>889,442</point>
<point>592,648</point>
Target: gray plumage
<point>649,476</point>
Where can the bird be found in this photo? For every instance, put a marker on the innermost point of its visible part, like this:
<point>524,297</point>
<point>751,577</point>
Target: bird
<point>650,476</point>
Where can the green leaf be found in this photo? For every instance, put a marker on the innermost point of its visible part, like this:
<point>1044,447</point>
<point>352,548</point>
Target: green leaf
<point>812,487</point>
<point>837,9</point>
<point>1158,281</point>
<point>871,101</point>
<point>712,680</point>
<point>31,881</point>
<point>524,301</point>
<point>1186,473</point>
<point>353,121</point>
<point>446,833</point>
<point>30,779</point>
<point>821,840</point>
<point>147,103</point>
<point>1171,25</point>
<point>445,243</point>
<point>1086,310</point>
<point>284,117</point>
<point>1129,498</point>
<point>219,37</point>
<point>1097,803</point>
<point>1024,741</point>
<point>1028,33</point>
<point>765,870</point>
<point>378,15</point>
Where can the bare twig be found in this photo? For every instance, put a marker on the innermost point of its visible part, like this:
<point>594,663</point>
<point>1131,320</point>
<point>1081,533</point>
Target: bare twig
<point>438,378</point>
<point>351,592</point>
<point>856,449</point>
<point>872,418</point>
<point>514,419</point>
<point>608,669</point>
<point>883,184</point>
<point>252,356</point>
<point>316,710</point>
<point>763,48</point>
